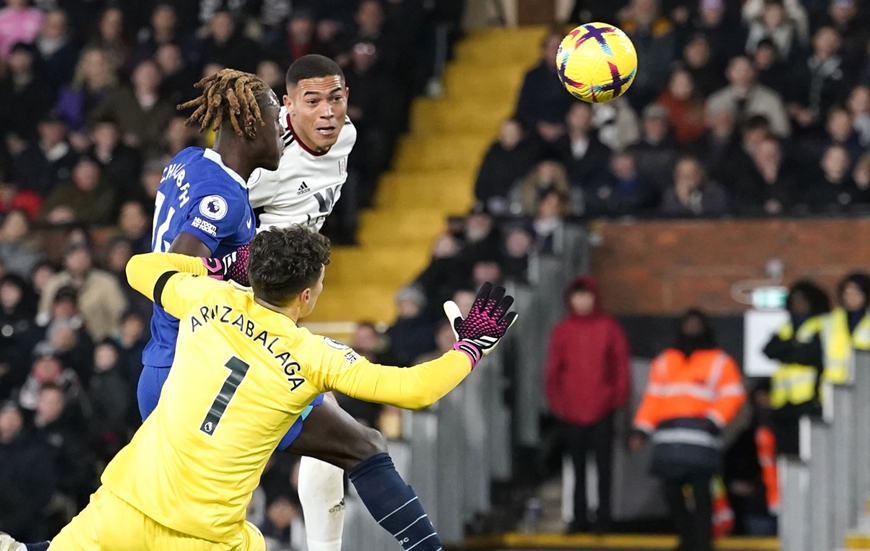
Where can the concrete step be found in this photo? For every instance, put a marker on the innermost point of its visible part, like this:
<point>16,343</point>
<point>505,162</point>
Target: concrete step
<point>484,81</point>
<point>385,228</point>
<point>484,116</point>
<point>442,151</point>
<point>356,303</point>
<point>494,47</point>
<point>450,191</point>
<point>376,266</point>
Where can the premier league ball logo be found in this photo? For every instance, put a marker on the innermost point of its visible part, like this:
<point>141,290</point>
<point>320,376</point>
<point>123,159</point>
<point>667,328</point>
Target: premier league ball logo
<point>213,207</point>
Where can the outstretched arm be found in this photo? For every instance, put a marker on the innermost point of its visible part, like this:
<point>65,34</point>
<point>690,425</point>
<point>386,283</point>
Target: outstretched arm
<point>171,280</point>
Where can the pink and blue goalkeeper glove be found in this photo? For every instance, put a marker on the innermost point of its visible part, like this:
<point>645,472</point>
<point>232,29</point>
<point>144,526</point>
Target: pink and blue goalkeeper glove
<point>486,323</point>
<point>232,267</point>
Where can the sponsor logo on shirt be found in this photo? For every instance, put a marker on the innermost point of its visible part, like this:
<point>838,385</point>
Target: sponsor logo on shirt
<point>213,207</point>
<point>303,189</point>
<point>335,344</point>
<point>205,226</point>
<point>351,357</point>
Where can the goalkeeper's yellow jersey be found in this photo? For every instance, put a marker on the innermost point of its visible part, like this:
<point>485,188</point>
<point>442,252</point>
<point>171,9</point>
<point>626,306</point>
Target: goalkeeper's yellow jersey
<point>242,375</point>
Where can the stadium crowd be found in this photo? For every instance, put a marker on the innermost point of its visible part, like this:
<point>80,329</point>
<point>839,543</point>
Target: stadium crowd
<point>759,109</point>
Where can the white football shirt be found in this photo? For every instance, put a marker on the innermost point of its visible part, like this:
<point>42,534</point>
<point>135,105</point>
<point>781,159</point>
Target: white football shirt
<point>306,185</point>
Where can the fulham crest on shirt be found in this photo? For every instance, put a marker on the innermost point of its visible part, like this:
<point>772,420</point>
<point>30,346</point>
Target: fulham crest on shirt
<point>306,185</point>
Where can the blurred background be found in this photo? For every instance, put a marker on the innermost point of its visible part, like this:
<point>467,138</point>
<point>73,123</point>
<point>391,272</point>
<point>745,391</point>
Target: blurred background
<point>721,205</point>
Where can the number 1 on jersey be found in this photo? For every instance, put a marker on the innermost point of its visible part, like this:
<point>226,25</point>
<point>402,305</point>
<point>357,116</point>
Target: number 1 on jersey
<point>238,370</point>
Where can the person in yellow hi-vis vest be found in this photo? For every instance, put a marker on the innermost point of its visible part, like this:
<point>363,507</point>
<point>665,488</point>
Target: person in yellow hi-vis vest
<point>846,328</point>
<point>794,387</point>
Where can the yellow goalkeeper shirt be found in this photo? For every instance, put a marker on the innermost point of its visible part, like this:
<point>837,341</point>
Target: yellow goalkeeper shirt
<point>242,375</point>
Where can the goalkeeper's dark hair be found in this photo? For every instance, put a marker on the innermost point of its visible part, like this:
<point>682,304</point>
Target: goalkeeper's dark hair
<point>312,66</point>
<point>283,262</point>
<point>229,95</point>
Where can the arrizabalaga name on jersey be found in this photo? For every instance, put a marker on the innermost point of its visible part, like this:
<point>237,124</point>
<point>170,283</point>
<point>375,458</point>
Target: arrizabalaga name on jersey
<point>306,185</point>
<point>248,327</point>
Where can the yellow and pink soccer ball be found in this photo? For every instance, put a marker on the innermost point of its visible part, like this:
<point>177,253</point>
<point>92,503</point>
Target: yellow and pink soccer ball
<point>596,62</point>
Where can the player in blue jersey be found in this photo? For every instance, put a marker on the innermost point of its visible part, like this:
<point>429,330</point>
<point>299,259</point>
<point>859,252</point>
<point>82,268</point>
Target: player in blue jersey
<point>202,210</point>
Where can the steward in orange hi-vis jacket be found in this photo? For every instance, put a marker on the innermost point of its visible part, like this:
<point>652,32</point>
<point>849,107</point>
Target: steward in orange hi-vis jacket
<point>694,391</point>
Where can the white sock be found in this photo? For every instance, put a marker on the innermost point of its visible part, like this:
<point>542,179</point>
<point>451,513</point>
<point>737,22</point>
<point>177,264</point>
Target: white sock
<point>321,491</point>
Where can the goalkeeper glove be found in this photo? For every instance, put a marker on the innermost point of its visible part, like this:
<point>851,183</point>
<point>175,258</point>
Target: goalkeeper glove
<point>486,323</point>
<point>233,266</point>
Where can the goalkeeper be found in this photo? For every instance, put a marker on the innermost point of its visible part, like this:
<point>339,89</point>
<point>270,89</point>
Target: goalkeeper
<point>248,371</point>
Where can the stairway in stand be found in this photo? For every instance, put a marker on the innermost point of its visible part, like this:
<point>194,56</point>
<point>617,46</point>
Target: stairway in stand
<point>432,177</point>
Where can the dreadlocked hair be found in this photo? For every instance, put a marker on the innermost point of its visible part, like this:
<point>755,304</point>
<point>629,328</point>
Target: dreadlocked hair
<point>228,94</point>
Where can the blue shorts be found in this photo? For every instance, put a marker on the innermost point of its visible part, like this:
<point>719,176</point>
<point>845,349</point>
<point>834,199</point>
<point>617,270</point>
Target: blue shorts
<point>151,382</point>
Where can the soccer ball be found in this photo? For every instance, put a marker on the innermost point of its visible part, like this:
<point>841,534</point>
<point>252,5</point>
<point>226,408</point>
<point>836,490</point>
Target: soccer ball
<point>596,62</point>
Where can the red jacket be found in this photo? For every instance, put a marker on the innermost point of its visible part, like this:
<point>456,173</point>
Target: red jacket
<point>587,374</point>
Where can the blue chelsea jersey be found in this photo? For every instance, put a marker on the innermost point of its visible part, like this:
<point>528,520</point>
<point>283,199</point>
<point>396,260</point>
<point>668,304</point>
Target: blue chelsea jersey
<point>199,195</point>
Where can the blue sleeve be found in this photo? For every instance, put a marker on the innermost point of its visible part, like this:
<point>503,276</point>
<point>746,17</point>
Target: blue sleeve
<point>215,216</point>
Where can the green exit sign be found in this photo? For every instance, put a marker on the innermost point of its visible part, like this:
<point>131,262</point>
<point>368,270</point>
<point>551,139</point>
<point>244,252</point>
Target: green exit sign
<point>766,298</point>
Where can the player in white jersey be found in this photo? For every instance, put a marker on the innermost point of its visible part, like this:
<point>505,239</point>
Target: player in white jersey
<point>318,139</point>
<point>307,184</point>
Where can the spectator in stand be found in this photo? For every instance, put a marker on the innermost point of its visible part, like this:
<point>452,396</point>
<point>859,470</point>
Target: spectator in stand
<point>270,72</point>
<point>109,397</point>
<point>517,252</point>
<point>584,155</point>
<point>723,32</point>
<point>543,102</point>
<point>843,17</point>
<point>840,131</point>
<point>820,83</point>
<point>18,332</point>
<point>513,154</point>
<point>73,477</point>
<point>100,297</point>
<point>441,277</point>
<point>41,275</point>
<point>19,22</point>
<point>859,108</point>
<point>118,253</point>
<point>835,191</point>
<point>47,369</point>
<point>178,75</point>
<point>179,136</point>
<point>119,163</point>
<point>57,50</point>
<point>739,164</point>
<point>692,194</point>
<point>623,192</point>
<point>64,334</point>
<point>549,174</point>
<point>163,30</point>
<point>549,222</point>
<point>697,59</point>
<point>142,115</point>
<point>774,24</point>
<point>152,173</point>
<point>794,10</point>
<point>482,239</point>
<point>744,98</point>
<point>587,379</point>
<point>656,152</point>
<point>135,226</point>
<point>47,163</point>
<point>371,343</point>
<point>694,392</point>
<point>656,43</point>
<point>26,476</point>
<point>771,186</point>
<point>12,197</point>
<point>617,123</point>
<point>444,341</point>
<point>685,107</point>
<point>22,94</point>
<point>227,45</point>
<point>771,71</point>
<point>94,81</point>
<point>130,340</point>
<point>87,198</point>
<point>411,334</point>
<point>296,40</point>
<point>18,250</point>
<point>718,144</point>
<point>283,524</point>
<point>110,38</point>
<point>861,174</point>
